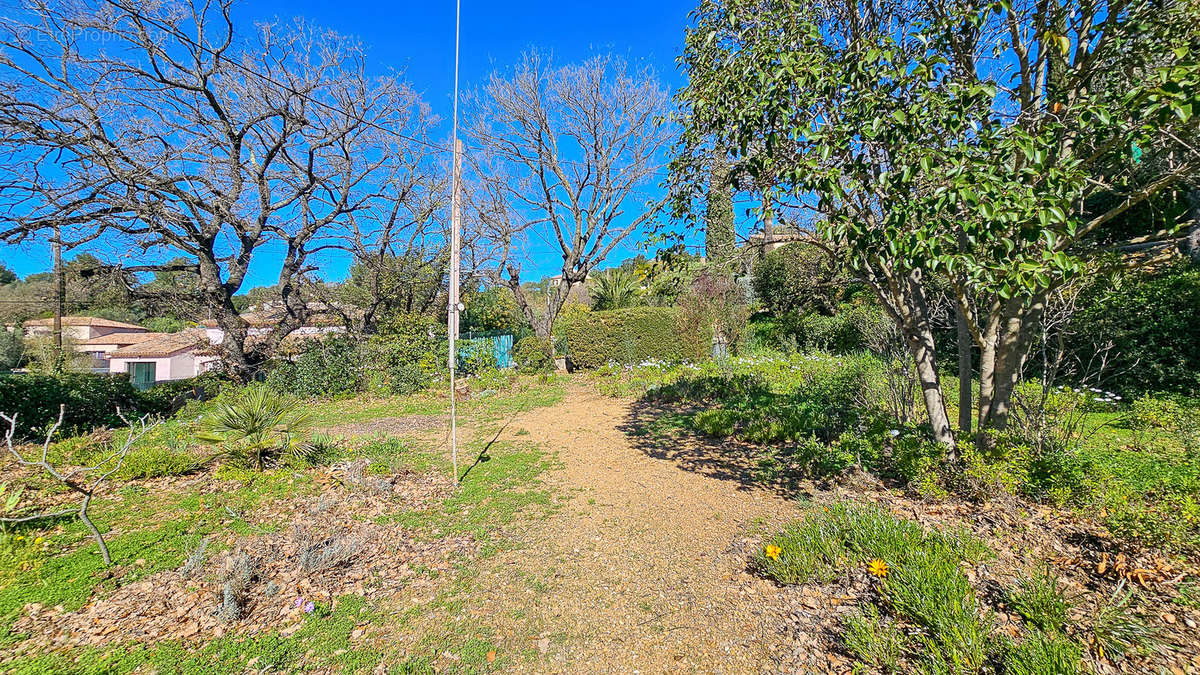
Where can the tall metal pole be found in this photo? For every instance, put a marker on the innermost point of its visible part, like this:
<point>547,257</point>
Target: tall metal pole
<point>455,253</point>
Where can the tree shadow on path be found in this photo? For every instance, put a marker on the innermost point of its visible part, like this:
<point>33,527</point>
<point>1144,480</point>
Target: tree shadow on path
<point>649,428</point>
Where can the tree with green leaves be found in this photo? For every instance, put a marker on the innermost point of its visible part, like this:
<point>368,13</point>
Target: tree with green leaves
<point>949,138</point>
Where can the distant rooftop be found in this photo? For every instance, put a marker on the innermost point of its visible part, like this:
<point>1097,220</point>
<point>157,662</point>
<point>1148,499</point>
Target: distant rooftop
<point>83,321</point>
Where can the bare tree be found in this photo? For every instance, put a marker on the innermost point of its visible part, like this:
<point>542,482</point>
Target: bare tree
<point>398,247</point>
<point>159,123</point>
<point>83,480</point>
<point>560,153</point>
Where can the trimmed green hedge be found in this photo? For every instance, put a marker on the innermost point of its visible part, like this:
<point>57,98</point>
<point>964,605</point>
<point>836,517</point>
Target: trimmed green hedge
<point>91,401</point>
<point>534,354</point>
<point>630,336</point>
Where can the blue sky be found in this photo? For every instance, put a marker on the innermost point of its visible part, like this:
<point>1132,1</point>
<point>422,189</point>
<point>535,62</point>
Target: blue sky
<point>418,38</point>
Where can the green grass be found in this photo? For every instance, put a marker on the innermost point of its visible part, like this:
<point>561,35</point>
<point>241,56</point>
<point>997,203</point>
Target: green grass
<point>495,489</point>
<point>923,586</point>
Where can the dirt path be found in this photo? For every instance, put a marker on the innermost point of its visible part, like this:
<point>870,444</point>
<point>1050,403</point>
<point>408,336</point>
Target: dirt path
<point>644,569</point>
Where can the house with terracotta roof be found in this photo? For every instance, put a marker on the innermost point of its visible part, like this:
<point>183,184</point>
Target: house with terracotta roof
<point>164,356</point>
<point>117,347</point>
<point>80,328</point>
<point>92,335</point>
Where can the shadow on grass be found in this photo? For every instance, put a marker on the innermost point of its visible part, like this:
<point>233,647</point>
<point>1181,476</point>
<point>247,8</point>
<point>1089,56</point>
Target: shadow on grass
<point>660,430</point>
<point>738,429</point>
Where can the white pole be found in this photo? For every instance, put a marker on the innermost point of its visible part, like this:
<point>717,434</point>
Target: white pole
<point>455,252</point>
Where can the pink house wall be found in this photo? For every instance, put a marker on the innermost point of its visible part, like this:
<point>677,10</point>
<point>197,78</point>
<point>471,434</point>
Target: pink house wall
<point>177,367</point>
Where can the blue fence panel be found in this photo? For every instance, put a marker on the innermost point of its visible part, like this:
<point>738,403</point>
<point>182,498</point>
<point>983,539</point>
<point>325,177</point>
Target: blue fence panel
<point>500,345</point>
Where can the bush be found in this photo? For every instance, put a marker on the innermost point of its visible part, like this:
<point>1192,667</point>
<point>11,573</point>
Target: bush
<point>91,401</point>
<point>628,336</point>
<point>853,328</point>
<point>1151,321</point>
<point>534,354</point>
<point>798,278</point>
<point>331,366</point>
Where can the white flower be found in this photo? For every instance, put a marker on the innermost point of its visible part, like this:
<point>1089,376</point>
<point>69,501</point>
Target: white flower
<point>894,433</point>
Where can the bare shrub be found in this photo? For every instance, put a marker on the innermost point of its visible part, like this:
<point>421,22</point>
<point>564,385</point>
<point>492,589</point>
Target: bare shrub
<point>83,480</point>
<point>329,552</point>
<point>195,560</point>
<point>237,576</point>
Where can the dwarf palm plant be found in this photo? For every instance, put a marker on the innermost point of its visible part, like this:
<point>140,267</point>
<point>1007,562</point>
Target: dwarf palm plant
<point>257,423</point>
<point>616,289</point>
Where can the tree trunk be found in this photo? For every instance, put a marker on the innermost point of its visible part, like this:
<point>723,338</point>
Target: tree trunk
<point>922,348</point>
<point>966,375</point>
<point>912,315</point>
<point>1004,359</point>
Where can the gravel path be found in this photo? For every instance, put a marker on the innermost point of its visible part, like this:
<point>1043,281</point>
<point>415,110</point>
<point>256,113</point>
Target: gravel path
<point>644,569</point>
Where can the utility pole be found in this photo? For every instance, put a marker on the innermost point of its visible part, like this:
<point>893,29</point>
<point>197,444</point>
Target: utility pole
<point>453,305</point>
<point>60,292</point>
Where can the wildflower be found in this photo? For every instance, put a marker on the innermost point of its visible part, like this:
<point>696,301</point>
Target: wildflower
<point>877,568</point>
<point>38,540</point>
<point>894,433</point>
<point>299,603</point>
<point>309,607</point>
<point>773,551</point>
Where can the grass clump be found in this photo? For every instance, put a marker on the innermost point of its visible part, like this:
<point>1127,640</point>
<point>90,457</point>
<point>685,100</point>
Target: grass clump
<point>1117,629</point>
<point>874,639</point>
<point>919,581</point>
<point>1040,601</point>
<point>1044,653</point>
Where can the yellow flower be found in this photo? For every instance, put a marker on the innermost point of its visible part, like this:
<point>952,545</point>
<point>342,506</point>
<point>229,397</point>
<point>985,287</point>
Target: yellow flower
<point>38,540</point>
<point>877,568</point>
<point>773,551</point>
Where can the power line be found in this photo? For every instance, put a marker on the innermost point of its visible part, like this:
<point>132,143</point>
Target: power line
<point>219,57</point>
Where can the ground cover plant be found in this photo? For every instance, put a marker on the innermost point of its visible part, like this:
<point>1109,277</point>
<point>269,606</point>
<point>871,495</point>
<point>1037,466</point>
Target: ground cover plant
<point>817,414</point>
<point>211,551</point>
<point>920,603</point>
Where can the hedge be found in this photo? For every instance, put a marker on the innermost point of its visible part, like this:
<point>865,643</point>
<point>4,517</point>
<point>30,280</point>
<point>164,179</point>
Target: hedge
<point>630,336</point>
<point>91,401</point>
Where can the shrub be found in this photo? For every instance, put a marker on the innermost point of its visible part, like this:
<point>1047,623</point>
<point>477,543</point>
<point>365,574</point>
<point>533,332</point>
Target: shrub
<point>331,366</point>
<point>628,336</point>
<point>796,278</point>
<point>1151,320</point>
<point>852,328</point>
<point>712,315</point>
<point>256,424</point>
<point>91,401</point>
<point>716,422</point>
<point>534,354</point>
